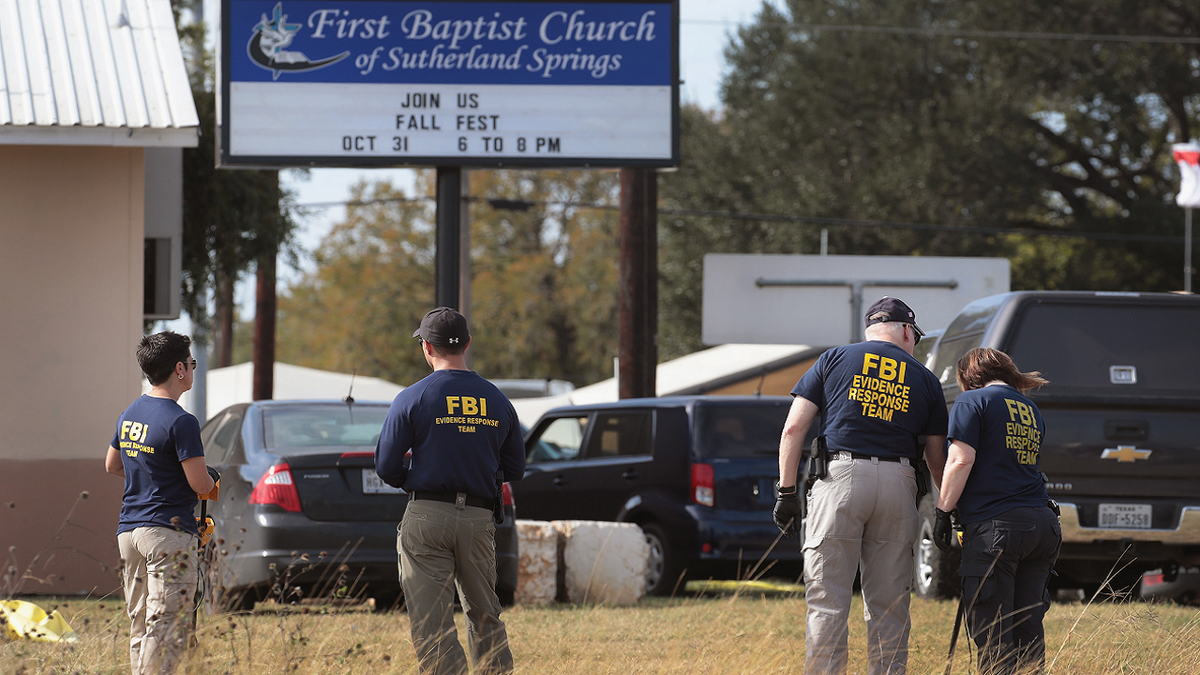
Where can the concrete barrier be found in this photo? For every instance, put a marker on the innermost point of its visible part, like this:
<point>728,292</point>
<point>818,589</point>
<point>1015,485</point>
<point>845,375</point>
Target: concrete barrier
<point>537,565</point>
<point>602,562</point>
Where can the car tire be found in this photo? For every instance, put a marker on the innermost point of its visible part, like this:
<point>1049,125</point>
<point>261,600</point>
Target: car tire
<point>218,599</point>
<point>389,600</point>
<point>506,596</point>
<point>936,571</point>
<point>661,576</point>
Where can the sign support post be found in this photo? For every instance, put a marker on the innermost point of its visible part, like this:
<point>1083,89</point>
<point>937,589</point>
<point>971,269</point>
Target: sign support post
<point>638,293</point>
<point>449,225</point>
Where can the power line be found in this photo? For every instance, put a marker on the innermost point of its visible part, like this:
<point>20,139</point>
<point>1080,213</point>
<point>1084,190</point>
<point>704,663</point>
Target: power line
<point>962,32</point>
<point>521,205</point>
<point>856,222</point>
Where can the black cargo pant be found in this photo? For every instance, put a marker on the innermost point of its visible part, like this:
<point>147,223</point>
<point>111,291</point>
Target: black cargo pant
<point>1005,566</point>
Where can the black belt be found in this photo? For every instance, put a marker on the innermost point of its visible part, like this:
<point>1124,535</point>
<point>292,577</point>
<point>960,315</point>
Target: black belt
<point>859,455</point>
<point>452,497</point>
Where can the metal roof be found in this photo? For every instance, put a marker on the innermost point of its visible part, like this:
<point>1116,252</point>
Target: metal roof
<point>93,72</point>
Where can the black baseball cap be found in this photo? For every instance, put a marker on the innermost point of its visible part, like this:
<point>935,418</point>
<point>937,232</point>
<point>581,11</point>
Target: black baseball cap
<point>893,309</point>
<point>443,327</point>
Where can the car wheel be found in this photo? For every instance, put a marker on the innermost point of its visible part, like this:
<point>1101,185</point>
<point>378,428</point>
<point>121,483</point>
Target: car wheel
<point>660,566</point>
<point>389,600</point>
<point>936,570</point>
<point>506,596</point>
<point>218,599</point>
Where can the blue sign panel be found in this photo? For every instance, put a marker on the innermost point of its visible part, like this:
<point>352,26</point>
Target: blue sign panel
<point>336,83</point>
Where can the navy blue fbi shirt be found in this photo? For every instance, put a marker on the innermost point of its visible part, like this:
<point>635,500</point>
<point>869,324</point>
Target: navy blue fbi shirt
<point>875,399</point>
<point>154,436</point>
<point>460,428</point>
<point>1005,428</point>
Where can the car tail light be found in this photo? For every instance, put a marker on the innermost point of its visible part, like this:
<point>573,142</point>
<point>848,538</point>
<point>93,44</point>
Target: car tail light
<point>506,496</point>
<point>277,487</point>
<point>702,484</point>
<point>1152,580</point>
<point>361,453</point>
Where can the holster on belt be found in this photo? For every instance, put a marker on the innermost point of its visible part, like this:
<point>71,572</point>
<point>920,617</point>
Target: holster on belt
<point>922,470</point>
<point>816,468</point>
<point>498,505</point>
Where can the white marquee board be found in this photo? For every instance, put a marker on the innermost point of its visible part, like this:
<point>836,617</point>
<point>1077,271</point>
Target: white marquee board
<point>808,299</point>
<point>449,83</point>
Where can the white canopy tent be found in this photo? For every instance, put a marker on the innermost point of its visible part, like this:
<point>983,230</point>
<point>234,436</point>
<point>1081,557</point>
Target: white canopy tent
<point>227,386</point>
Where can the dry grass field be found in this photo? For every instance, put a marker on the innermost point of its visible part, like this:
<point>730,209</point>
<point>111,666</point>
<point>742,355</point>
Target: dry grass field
<point>727,635</point>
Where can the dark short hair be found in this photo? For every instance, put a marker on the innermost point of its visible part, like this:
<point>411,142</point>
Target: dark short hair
<point>983,364</point>
<point>157,355</point>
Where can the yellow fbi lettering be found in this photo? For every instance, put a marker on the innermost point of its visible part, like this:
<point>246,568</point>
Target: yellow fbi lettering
<point>466,412</point>
<point>885,368</point>
<point>1021,433</point>
<point>880,387</point>
<point>467,405</point>
<point>133,437</point>
<point>134,431</point>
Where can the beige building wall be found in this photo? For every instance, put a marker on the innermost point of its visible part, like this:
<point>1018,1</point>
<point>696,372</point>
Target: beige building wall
<point>71,230</point>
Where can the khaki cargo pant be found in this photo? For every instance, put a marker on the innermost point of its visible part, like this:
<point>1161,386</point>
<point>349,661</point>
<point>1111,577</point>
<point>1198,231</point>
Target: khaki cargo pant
<point>159,575</point>
<point>863,513</point>
<point>442,547</point>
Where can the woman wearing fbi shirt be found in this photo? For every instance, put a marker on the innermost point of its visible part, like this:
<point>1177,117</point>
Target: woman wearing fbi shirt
<point>1011,536</point>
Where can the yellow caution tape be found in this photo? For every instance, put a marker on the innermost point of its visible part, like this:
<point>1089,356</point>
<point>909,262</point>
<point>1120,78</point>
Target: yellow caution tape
<point>26,621</point>
<point>719,587</point>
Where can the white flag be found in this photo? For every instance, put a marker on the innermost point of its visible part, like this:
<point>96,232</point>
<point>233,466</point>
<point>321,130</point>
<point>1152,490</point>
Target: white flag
<point>1188,157</point>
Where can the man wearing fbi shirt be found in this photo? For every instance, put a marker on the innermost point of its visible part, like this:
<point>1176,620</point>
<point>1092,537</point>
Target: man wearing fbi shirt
<point>462,432</point>
<point>875,399</point>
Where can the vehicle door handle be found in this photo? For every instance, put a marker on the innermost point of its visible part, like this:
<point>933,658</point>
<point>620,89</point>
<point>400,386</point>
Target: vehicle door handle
<point>629,474</point>
<point>560,481</point>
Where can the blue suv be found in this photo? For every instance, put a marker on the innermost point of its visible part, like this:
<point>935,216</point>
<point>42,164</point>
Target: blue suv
<point>697,473</point>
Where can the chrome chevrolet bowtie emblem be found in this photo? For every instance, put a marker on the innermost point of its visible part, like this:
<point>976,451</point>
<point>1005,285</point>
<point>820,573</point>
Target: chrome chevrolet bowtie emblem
<point>1125,453</point>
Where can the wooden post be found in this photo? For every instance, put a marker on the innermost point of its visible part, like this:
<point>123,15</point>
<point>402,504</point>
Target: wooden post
<point>264,327</point>
<point>638,293</point>
<point>449,224</point>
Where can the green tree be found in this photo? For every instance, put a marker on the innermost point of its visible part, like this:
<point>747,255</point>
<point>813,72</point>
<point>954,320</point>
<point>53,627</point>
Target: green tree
<point>230,218</point>
<point>355,312</point>
<point>918,112</point>
<point>543,288</point>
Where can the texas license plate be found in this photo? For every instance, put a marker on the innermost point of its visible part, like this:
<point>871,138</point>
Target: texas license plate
<point>1125,516</point>
<point>374,485</point>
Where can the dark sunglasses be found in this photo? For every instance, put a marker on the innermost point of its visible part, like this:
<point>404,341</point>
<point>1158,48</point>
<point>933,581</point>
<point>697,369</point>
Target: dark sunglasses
<point>189,363</point>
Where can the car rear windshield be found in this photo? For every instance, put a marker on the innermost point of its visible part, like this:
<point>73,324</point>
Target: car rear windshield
<point>739,430</point>
<point>1111,351</point>
<point>322,426</point>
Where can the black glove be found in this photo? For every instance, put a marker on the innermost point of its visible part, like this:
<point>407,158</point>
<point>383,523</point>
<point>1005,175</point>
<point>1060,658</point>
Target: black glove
<point>943,529</point>
<point>214,474</point>
<point>787,511</point>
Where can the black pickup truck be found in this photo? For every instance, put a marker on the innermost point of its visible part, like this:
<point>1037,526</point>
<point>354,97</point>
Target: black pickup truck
<point>1121,453</point>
